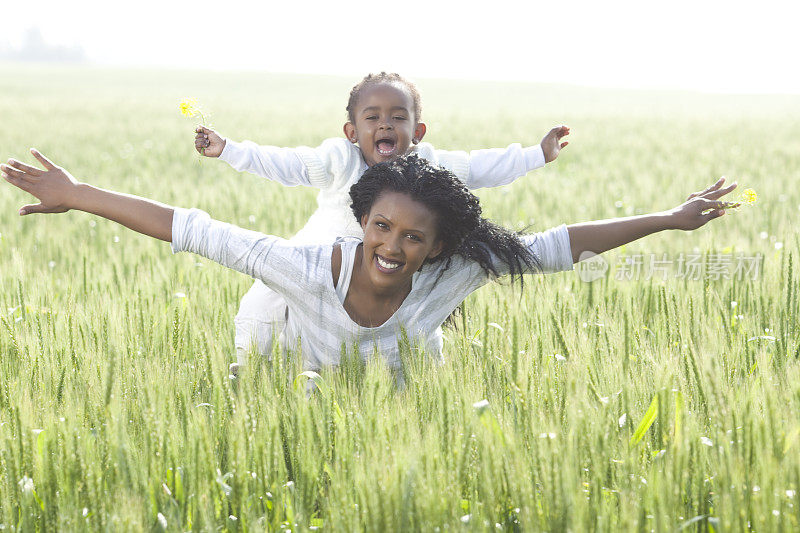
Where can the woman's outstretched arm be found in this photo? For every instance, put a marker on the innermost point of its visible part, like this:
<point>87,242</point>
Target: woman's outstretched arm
<point>58,192</point>
<point>270,259</point>
<point>603,235</point>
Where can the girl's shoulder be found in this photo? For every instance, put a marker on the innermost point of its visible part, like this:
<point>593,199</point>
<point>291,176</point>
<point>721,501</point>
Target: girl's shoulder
<point>424,150</point>
<point>341,150</point>
<point>342,162</point>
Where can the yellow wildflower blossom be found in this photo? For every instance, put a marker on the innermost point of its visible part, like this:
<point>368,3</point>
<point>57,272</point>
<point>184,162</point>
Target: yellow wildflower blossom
<point>188,107</point>
<point>749,197</point>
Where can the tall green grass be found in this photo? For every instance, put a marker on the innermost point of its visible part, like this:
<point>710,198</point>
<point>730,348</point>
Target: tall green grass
<point>646,405</point>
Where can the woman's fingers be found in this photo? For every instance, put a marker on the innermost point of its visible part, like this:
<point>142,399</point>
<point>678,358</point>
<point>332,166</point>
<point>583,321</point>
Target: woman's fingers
<point>707,204</point>
<point>716,185</point>
<point>15,173</point>
<point>16,182</point>
<point>709,210</point>
<point>711,191</point>
<point>43,160</point>
<point>32,208</point>
<point>33,171</point>
<point>719,193</point>
<point>714,213</point>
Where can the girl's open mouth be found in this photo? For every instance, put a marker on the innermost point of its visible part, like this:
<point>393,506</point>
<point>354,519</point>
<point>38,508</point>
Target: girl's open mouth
<point>385,147</point>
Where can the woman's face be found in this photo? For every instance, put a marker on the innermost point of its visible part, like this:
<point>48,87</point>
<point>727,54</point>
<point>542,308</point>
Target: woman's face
<point>399,235</point>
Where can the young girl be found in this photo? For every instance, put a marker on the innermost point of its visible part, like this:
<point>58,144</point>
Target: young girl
<point>425,248</point>
<point>383,123</point>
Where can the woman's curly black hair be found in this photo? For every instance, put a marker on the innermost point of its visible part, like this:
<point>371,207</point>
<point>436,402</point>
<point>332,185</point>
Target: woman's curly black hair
<point>383,77</point>
<point>460,226</point>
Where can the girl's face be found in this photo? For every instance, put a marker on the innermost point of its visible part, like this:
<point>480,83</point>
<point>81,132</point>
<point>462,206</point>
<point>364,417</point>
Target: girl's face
<point>385,124</point>
<point>399,235</point>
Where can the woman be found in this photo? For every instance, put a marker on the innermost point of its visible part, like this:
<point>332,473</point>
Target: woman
<point>425,248</point>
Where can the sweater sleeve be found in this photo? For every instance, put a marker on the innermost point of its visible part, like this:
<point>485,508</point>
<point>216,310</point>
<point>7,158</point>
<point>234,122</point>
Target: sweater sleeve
<point>444,286</point>
<point>500,166</point>
<point>551,248</point>
<point>283,266</point>
<point>486,168</point>
<point>314,167</point>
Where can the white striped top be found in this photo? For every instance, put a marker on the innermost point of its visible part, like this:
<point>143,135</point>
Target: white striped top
<point>318,323</point>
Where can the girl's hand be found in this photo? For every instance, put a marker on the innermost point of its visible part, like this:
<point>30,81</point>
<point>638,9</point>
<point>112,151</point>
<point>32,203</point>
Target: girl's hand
<point>207,142</point>
<point>54,187</point>
<point>701,207</point>
<point>551,143</point>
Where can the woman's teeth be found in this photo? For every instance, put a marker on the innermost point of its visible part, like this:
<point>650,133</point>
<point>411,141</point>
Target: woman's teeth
<point>388,265</point>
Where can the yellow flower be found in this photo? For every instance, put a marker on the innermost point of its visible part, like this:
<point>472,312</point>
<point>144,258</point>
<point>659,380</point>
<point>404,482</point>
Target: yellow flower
<point>749,197</point>
<point>188,107</point>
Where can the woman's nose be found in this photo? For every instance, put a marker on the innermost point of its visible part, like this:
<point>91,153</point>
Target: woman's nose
<point>392,245</point>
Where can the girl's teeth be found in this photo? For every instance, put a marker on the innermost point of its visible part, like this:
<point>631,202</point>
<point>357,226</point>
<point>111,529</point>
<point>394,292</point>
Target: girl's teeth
<point>385,148</point>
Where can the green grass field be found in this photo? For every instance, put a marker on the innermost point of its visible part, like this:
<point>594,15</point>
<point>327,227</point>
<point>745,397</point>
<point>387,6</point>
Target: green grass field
<point>116,412</point>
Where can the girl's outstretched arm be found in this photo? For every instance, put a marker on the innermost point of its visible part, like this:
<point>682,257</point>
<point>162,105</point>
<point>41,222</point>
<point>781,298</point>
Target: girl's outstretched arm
<point>58,192</point>
<point>603,235</point>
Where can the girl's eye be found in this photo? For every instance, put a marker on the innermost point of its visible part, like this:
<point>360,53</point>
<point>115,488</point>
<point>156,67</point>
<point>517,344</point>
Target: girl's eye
<point>400,118</point>
<point>372,117</point>
<point>414,238</point>
<point>382,225</point>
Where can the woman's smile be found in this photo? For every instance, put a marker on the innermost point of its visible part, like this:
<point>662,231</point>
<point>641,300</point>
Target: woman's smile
<point>386,266</point>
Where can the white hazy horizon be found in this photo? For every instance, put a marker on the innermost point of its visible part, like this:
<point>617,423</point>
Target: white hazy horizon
<point>712,46</point>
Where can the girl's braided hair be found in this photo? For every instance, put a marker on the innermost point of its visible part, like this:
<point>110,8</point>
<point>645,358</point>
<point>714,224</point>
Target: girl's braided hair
<point>375,79</point>
<point>459,224</point>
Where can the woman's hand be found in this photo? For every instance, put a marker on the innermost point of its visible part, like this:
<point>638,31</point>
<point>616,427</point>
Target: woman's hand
<point>603,235</point>
<point>54,187</point>
<point>701,207</point>
<point>57,192</point>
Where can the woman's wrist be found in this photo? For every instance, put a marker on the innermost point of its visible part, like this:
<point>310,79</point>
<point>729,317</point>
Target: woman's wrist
<point>80,197</point>
<point>664,220</point>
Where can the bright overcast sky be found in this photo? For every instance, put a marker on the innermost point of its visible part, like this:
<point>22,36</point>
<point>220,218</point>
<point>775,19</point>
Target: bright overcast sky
<point>707,45</point>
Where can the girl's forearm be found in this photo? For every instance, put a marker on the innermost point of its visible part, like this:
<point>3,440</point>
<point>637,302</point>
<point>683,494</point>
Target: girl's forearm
<point>603,235</point>
<point>139,214</point>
